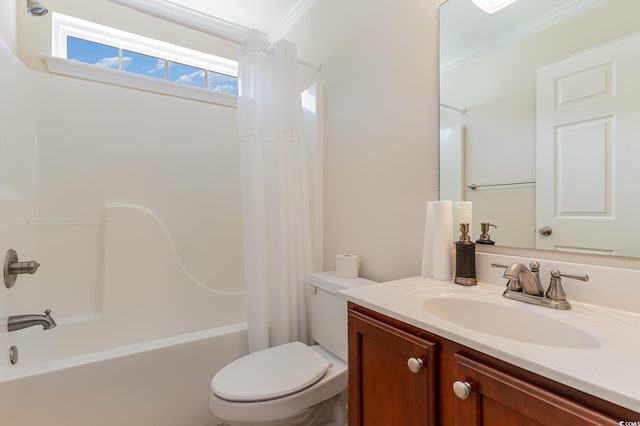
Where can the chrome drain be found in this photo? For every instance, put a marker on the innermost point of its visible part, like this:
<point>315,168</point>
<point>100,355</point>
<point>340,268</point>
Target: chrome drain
<point>13,355</point>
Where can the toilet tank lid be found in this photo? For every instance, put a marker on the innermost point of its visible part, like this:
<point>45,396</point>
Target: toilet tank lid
<point>270,373</point>
<point>328,281</point>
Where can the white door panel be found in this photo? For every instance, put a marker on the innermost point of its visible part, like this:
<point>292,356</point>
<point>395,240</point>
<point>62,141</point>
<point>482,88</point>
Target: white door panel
<point>588,122</point>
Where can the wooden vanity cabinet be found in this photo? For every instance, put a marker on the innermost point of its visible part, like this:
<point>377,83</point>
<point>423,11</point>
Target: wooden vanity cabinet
<point>383,391</point>
<point>497,398</point>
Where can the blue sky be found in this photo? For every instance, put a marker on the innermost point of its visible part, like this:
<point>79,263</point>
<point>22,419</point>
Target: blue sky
<point>107,56</point>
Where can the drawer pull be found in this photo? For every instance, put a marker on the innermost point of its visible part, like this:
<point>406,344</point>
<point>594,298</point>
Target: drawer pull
<point>415,364</point>
<point>462,389</point>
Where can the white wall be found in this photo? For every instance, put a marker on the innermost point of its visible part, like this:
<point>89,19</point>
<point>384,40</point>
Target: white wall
<point>91,144</point>
<point>381,129</point>
<point>100,144</point>
<point>8,24</point>
<point>16,141</point>
<point>379,70</point>
<point>381,135</point>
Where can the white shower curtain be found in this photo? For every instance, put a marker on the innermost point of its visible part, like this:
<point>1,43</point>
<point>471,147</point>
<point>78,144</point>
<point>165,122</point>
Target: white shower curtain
<point>277,247</point>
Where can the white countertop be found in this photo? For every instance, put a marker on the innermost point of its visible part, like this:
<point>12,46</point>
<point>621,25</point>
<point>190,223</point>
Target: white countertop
<point>611,370</point>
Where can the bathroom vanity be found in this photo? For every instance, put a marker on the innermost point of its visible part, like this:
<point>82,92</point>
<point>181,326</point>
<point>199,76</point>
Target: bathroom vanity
<point>430,352</point>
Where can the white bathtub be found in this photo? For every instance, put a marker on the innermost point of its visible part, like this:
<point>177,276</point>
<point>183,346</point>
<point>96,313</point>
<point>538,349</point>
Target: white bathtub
<point>138,337</point>
<point>163,382</point>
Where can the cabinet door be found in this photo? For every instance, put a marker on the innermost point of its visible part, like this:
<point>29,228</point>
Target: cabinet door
<point>497,398</point>
<point>382,388</point>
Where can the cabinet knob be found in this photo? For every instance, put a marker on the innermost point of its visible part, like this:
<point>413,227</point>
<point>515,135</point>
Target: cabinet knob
<point>415,364</point>
<point>462,389</point>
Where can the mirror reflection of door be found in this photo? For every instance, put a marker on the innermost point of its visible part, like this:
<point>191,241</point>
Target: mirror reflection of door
<point>588,122</point>
<point>488,65</point>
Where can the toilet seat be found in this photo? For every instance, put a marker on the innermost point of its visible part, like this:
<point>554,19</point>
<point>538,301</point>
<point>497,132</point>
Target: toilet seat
<point>269,374</point>
<point>330,384</point>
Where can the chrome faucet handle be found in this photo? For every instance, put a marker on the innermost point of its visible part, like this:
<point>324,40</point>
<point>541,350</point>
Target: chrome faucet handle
<point>534,267</point>
<point>512,285</point>
<point>13,268</point>
<point>555,290</point>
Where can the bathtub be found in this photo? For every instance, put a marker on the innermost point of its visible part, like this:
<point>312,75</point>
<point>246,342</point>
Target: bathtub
<point>164,382</point>
<point>140,334</point>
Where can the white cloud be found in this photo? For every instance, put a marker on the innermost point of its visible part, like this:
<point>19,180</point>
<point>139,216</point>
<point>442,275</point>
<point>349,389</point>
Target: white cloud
<point>188,78</point>
<point>225,88</point>
<point>113,62</point>
<point>159,66</point>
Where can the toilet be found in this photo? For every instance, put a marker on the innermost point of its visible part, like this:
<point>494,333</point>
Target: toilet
<point>293,384</point>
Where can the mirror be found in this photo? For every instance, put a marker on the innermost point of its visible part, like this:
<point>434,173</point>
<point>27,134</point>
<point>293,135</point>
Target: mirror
<point>503,76</point>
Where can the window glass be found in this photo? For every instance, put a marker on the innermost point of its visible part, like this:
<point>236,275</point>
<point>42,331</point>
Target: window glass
<point>138,63</point>
<point>186,74</point>
<point>93,53</point>
<point>111,48</point>
<point>223,83</point>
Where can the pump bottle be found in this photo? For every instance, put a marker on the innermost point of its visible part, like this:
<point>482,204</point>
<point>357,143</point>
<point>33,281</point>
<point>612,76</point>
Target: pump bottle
<point>465,258</point>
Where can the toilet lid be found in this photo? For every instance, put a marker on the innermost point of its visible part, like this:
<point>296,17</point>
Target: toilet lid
<point>270,373</point>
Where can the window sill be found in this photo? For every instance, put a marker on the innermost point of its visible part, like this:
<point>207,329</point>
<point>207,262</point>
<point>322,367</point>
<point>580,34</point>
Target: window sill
<point>149,84</point>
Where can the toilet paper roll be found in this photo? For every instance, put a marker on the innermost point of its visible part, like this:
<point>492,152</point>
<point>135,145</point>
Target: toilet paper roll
<point>442,239</point>
<point>462,213</point>
<point>347,265</point>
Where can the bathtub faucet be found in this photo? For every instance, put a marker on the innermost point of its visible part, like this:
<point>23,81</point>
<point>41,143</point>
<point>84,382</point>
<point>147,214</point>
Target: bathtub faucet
<point>18,322</point>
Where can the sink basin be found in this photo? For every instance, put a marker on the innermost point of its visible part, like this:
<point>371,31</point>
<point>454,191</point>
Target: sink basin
<point>510,322</point>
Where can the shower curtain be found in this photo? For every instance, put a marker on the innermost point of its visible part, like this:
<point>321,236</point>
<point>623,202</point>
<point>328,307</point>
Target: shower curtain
<point>275,201</point>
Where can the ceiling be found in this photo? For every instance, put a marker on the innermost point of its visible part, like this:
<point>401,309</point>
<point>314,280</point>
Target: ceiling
<point>466,30</point>
<point>272,17</point>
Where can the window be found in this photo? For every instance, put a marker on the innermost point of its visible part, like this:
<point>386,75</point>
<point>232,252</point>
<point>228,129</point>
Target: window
<point>172,67</point>
<point>139,63</point>
<point>92,53</point>
<point>222,83</point>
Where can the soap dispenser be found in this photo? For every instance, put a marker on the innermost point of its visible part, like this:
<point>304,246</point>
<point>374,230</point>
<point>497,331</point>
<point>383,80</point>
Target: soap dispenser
<point>485,238</point>
<point>465,258</point>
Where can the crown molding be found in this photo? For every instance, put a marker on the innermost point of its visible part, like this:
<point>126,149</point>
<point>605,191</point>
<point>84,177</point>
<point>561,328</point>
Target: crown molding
<point>289,20</point>
<point>190,18</point>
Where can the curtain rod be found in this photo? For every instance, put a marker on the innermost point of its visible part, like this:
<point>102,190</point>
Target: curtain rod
<point>460,110</point>
<point>198,21</point>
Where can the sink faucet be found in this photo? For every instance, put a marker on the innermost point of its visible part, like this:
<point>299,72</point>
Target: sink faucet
<point>524,285</point>
<point>528,280</point>
<point>18,322</point>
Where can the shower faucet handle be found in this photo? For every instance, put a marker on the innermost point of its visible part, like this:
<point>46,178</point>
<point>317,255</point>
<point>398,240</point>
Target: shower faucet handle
<point>29,267</point>
<point>13,268</point>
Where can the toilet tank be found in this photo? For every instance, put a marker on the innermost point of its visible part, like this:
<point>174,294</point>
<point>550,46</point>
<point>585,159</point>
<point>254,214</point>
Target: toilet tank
<point>328,311</point>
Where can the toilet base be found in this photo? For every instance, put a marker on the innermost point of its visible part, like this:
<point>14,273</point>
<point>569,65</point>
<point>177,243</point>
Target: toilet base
<point>332,412</point>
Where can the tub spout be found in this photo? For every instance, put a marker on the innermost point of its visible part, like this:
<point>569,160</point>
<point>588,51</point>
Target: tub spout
<point>18,322</point>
